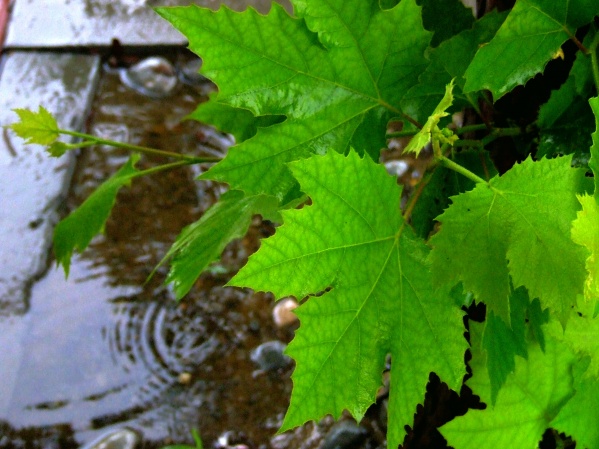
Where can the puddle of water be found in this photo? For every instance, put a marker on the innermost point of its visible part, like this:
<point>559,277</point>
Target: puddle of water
<point>100,350</point>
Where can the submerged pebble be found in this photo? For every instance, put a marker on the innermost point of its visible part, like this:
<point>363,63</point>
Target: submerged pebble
<point>154,77</point>
<point>344,435</point>
<point>115,439</point>
<point>269,356</point>
<point>184,378</point>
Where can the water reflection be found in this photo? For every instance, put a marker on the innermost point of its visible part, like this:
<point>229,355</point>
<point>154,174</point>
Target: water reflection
<point>103,350</point>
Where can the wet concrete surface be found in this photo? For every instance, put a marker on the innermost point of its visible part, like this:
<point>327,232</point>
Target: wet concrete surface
<point>70,23</point>
<point>31,184</point>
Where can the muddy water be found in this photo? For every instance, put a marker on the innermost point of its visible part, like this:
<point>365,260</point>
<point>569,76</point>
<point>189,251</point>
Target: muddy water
<point>102,350</point>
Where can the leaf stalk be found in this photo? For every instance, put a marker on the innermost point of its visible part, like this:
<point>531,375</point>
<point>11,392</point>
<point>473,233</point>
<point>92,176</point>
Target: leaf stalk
<point>445,161</point>
<point>90,140</point>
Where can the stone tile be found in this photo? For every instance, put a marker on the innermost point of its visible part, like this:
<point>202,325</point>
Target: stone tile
<point>32,185</point>
<point>64,23</point>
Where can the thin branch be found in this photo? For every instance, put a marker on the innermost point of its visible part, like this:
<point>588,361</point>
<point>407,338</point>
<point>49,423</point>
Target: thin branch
<point>594,61</point>
<point>414,198</point>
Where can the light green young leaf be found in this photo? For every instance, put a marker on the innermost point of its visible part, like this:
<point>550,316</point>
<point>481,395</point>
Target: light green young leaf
<point>529,401</point>
<point>585,232</point>
<point>200,243</point>
<point>529,38</point>
<point>325,93</point>
<point>425,135</point>
<point>581,336</point>
<point>76,231</point>
<point>353,244</point>
<point>518,225</point>
<point>57,149</point>
<point>36,127</point>
<point>585,229</point>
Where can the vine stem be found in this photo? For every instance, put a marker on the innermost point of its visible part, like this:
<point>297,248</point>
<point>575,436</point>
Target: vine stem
<point>445,161</point>
<point>139,149</point>
<point>579,44</point>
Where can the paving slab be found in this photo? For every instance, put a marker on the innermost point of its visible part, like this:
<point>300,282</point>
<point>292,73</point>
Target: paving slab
<point>32,185</point>
<point>68,23</point>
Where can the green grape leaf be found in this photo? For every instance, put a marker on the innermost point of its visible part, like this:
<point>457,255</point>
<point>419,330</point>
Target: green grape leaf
<point>529,401</point>
<point>36,127</point>
<point>445,183</point>
<point>517,225</point>
<point>529,38</point>
<point>579,83</point>
<point>454,18</point>
<point>579,417</point>
<point>200,243</point>
<point>503,343</point>
<point>76,231</point>
<point>585,232</point>
<point>371,295</point>
<point>566,120</point>
<point>425,134</point>
<point>365,62</point>
<point>241,123</point>
<point>449,60</point>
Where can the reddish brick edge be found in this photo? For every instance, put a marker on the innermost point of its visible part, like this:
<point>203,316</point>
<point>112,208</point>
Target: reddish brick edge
<point>3,20</point>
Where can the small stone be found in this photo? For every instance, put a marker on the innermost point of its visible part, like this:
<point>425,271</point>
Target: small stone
<point>269,356</point>
<point>227,441</point>
<point>282,313</point>
<point>184,378</point>
<point>344,435</point>
<point>116,439</point>
<point>153,77</point>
